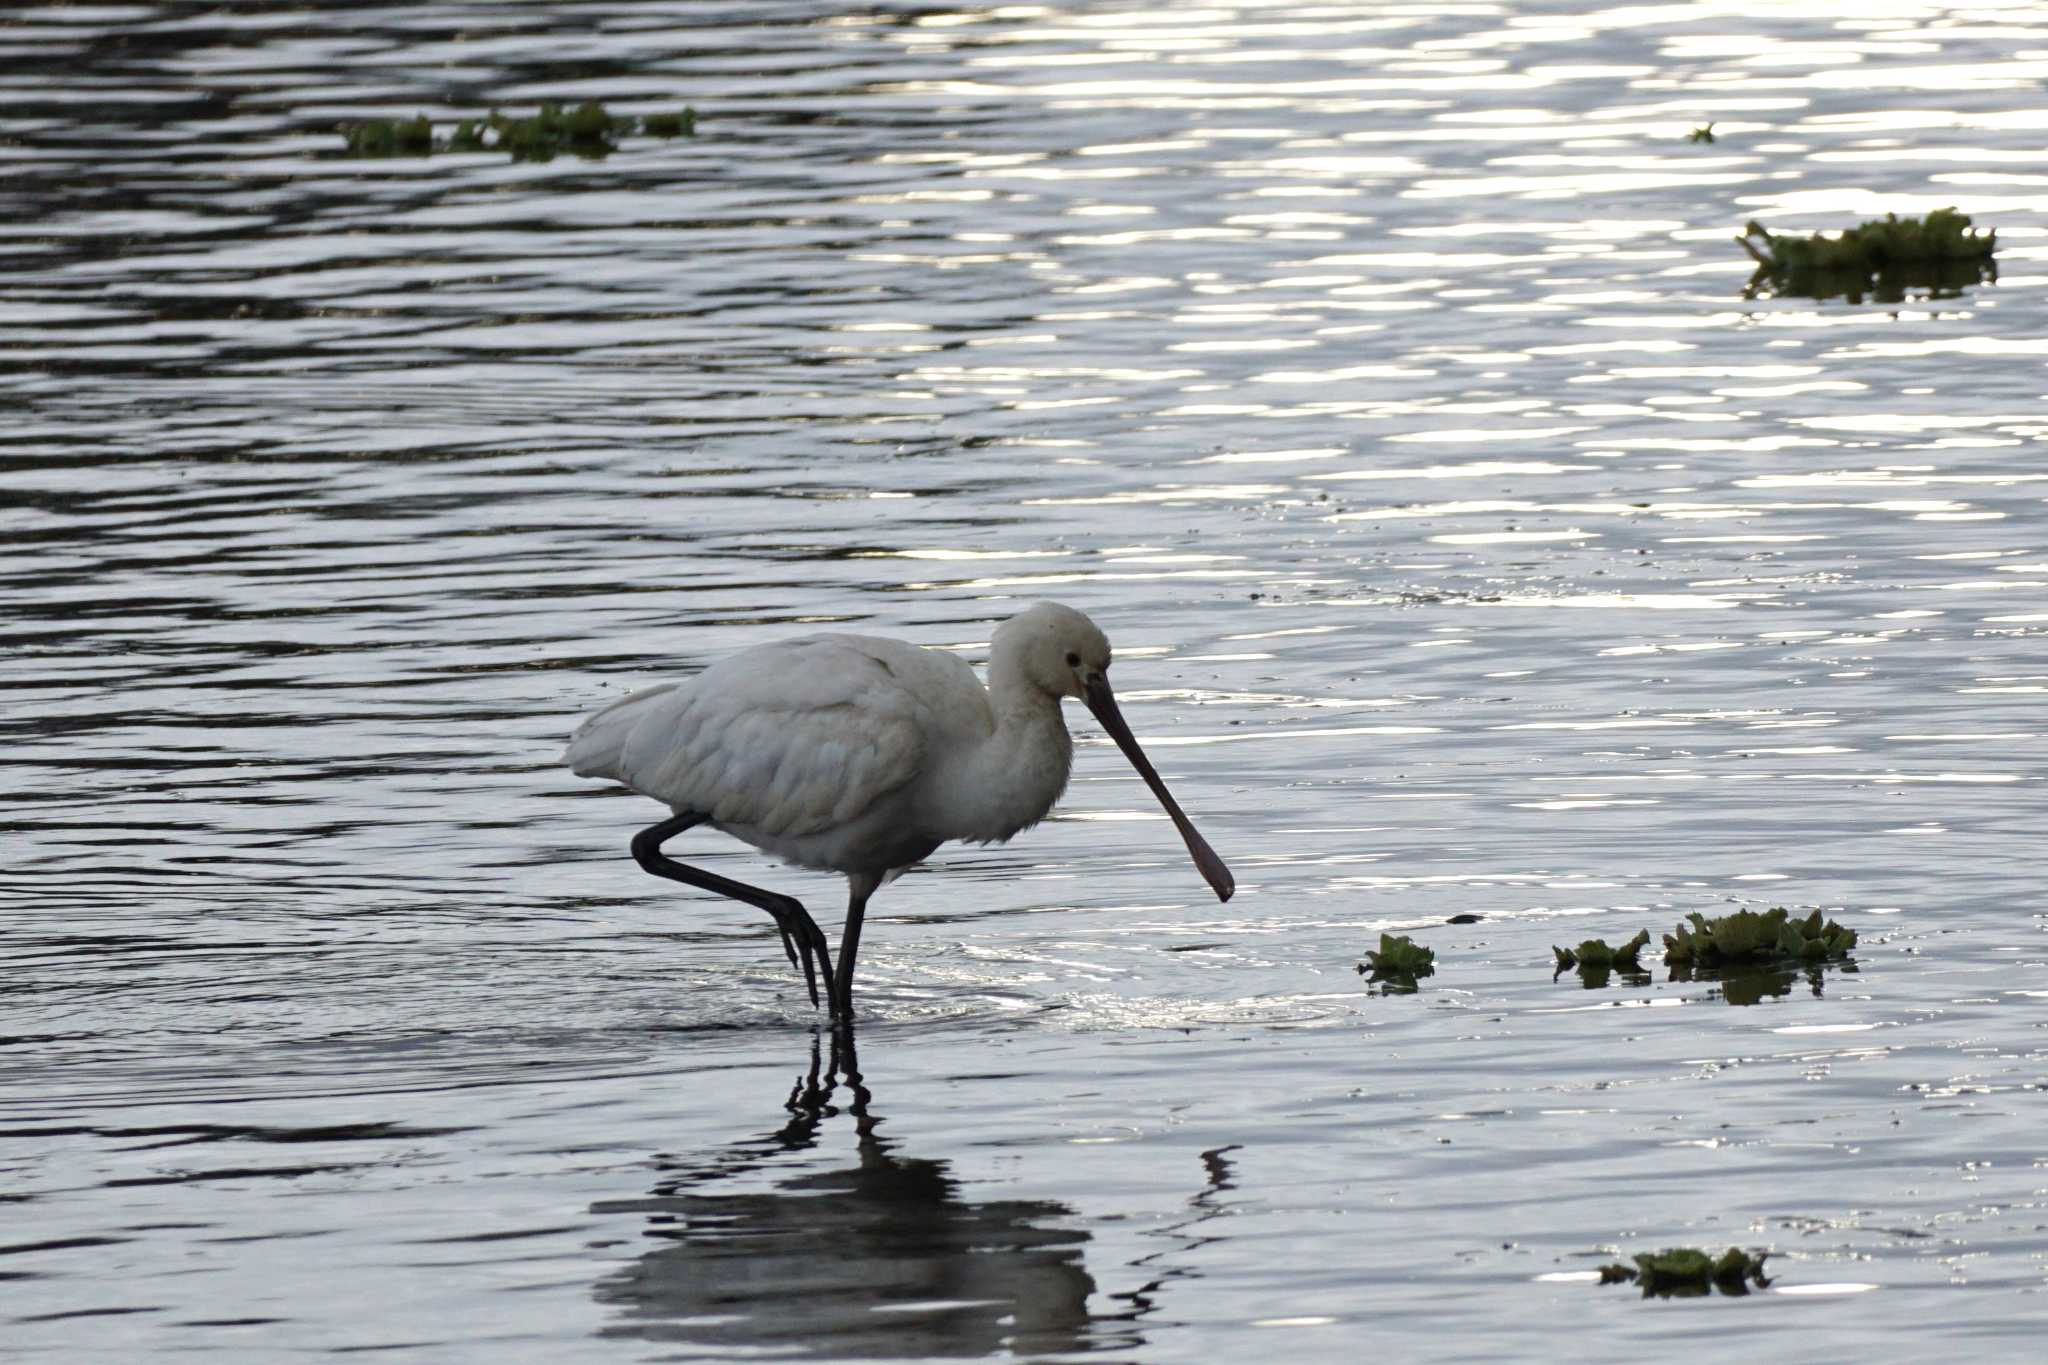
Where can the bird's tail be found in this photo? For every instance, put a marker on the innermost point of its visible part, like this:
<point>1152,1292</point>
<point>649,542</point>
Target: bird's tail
<point>598,747</point>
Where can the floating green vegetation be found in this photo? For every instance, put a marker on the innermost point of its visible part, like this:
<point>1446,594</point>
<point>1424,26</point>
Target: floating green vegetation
<point>1595,953</point>
<point>1943,235</point>
<point>391,137</point>
<point>588,130</point>
<point>1597,961</point>
<point>681,123</point>
<point>1398,963</point>
<point>1747,937</point>
<point>1689,1272</point>
<point>1703,133</point>
<point>1884,258</point>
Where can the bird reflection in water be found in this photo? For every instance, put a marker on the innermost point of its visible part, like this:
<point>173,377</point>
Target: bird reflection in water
<point>884,1258</point>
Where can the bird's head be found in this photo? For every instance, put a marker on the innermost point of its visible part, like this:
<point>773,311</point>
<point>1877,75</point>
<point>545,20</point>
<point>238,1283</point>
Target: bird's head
<point>1056,649</point>
<point>1060,651</point>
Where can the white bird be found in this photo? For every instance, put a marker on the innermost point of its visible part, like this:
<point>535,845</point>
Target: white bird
<point>861,755</point>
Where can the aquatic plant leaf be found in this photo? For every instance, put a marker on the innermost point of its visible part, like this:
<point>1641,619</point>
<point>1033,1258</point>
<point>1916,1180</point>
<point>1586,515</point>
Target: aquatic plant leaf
<point>1747,934</point>
<point>1398,961</point>
<point>1401,954</point>
<point>1736,1268</point>
<point>1679,945</point>
<point>587,130</point>
<point>1749,937</point>
<point>1791,943</point>
<point>1690,1271</point>
<point>681,123</point>
<point>587,121</point>
<point>1674,1265</point>
<point>1596,953</point>
<point>390,137</point>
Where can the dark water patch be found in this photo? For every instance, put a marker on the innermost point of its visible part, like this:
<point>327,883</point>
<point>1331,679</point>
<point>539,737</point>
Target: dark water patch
<point>184,1135</point>
<point>89,1313</point>
<point>1754,984</point>
<point>59,1244</point>
<point>510,1235</point>
<point>228,1173</point>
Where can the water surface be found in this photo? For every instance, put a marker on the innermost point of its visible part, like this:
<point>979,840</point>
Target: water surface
<point>1379,377</point>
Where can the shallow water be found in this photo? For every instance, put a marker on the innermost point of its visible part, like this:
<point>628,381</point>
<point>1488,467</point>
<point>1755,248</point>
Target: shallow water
<point>1380,377</point>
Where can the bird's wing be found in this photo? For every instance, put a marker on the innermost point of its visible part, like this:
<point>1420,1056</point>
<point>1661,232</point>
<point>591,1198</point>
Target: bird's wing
<point>790,739</point>
<point>597,749</point>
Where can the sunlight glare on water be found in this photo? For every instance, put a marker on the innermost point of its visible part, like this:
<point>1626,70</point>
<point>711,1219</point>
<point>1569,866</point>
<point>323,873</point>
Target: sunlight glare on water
<point>1482,565</point>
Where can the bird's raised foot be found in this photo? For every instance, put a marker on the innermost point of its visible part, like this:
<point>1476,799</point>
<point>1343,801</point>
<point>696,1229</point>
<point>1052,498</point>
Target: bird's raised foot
<point>810,972</point>
<point>809,951</point>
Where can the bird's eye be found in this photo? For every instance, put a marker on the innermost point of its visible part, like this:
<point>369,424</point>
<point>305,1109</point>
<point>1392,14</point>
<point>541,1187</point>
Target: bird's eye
<point>1073,661</point>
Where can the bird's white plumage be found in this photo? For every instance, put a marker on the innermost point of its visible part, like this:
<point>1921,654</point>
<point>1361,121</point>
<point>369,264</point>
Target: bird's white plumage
<point>807,748</point>
<point>788,739</point>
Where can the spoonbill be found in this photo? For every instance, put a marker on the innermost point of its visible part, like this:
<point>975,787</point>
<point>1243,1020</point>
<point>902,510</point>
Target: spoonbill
<point>861,755</point>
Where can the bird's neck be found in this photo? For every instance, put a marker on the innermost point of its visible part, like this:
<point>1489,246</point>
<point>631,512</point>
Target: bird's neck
<point>1018,771</point>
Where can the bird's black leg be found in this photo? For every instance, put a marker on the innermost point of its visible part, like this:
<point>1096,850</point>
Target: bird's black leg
<point>788,912</point>
<point>849,945</point>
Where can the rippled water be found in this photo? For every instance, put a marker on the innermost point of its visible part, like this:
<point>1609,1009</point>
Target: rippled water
<point>1379,376</point>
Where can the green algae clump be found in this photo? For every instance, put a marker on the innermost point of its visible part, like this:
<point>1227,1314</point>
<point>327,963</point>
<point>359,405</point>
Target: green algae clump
<point>1689,1272</point>
<point>1943,235</point>
<point>1398,963</point>
<point>681,123</point>
<point>391,137</point>
<point>1595,953</point>
<point>1747,937</point>
<point>1940,253</point>
<point>588,129</point>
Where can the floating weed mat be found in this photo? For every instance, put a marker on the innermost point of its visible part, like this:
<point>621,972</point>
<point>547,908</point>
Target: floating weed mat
<point>1757,955</point>
<point>1883,258</point>
<point>1597,961</point>
<point>588,130</point>
<point>1749,937</point>
<point>1397,964</point>
<point>1943,235</point>
<point>1687,1272</point>
<point>1596,953</point>
<point>391,137</point>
